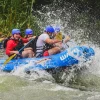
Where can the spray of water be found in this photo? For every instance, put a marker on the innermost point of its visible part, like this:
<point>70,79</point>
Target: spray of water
<point>34,74</point>
<point>65,17</point>
<point>70,22</point>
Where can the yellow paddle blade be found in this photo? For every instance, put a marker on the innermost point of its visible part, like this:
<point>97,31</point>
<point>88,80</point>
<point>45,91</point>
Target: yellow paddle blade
<point>11,57</point>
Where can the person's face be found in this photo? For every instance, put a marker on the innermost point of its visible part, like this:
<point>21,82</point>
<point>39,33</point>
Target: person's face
<point>50,34</point>
<point>16,36</point>
<point>30,35</point>
<point>56,33</point>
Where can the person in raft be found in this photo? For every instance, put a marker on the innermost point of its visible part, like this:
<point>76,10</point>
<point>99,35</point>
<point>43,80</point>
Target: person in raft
<point>59,36</point>
<point>28,34</point>
<point>45,44</point>
<point>15,43</point>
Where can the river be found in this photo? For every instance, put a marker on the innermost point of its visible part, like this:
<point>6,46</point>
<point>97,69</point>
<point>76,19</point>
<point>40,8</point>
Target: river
<point>77,85</point>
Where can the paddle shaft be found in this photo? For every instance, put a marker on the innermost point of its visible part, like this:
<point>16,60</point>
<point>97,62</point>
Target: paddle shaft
<point>26,45</point>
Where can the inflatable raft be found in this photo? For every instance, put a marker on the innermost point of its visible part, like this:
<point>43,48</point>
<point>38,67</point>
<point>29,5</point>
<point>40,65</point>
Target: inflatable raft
<point>66,58</point>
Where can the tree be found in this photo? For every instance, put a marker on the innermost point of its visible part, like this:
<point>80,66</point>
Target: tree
<point>16,14</point>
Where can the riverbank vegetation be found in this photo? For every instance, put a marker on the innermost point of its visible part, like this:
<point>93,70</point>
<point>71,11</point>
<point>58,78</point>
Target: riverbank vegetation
<point>17,14</point>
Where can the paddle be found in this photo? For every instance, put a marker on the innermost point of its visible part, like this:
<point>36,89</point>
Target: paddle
<point>11,57</point>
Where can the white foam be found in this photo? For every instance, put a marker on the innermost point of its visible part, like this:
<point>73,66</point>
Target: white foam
<point>61,88</point>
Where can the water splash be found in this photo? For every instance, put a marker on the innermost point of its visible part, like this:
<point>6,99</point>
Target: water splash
<point>95,65</point>
<point>65,18</point>
<point>34,74</point>
<point>74,24</point>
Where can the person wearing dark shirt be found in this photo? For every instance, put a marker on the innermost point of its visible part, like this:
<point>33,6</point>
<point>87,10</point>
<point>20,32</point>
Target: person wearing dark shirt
<point>29,33</point>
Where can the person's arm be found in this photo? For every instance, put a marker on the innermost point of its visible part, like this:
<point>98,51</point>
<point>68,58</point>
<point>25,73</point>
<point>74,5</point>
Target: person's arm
<point>1,39</point>
<point>52,41</point>
<point>25,40</point>
<point>10,46</point>
<point>67,39</point>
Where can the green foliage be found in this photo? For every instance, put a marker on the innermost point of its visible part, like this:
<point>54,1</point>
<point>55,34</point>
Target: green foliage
<point>16,14</point>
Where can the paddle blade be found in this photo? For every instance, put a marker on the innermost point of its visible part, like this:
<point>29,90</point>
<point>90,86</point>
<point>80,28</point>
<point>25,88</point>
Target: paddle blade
<point>11,57</point>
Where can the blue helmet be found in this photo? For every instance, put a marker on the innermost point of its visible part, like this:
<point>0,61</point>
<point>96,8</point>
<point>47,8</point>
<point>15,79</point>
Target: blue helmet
<point>49,29</point>
<point>28,31</point>
<point>14,31</point>
<point>57,29</point>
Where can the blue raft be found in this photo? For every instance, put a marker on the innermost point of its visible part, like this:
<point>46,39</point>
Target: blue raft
<point>66,58</point>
